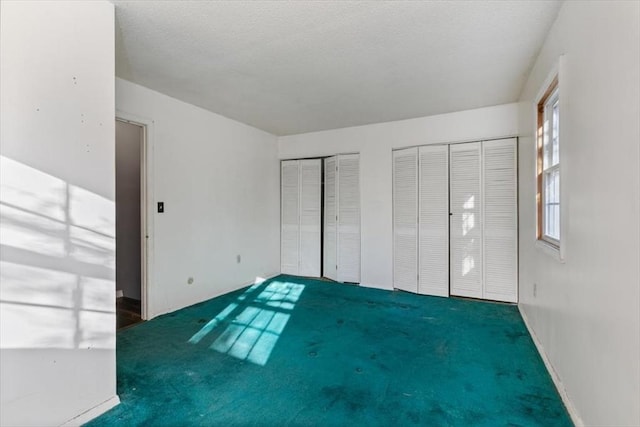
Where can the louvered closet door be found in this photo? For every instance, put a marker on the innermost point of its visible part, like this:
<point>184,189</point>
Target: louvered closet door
<point>330,262</point>
<point>290,223</point>
<point>405,219</point>
<point>348,177</point>
<point>500,220</point>
<point>310,189</point>
<point>466,220</point>
<point>433,207</point>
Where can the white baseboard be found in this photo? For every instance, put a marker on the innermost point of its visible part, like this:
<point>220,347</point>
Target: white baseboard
<point>214,295</point>
<point>573,413</point>
<point>92,413</point>
<point>268,276</point>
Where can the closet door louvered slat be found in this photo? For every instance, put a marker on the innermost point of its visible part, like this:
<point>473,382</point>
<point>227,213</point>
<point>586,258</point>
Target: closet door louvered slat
<point>405,224</point>
<point>433,247</point>
<point>330,233</point>
<point>466,220</point>
<point>500,220</point>
<point>348,223</point>
<point>310,192</point>
<point>290,226</point>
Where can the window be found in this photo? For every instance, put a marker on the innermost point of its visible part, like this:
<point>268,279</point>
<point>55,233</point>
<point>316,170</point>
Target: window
<point>548,194</point>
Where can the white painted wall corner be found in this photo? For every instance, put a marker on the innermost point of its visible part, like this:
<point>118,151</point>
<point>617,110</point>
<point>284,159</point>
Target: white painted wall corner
<point>573,413</point>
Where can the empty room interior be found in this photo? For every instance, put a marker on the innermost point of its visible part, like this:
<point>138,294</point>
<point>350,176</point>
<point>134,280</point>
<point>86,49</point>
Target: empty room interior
<point>331,213</point>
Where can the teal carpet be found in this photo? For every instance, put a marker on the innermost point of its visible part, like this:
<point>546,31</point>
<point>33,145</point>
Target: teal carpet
<point>294,351</point>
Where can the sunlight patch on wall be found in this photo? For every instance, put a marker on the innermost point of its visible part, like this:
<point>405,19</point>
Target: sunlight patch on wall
<point>468,222</point>
<point>468,264</point>
<point>57,262</point>
<point>470,203</point>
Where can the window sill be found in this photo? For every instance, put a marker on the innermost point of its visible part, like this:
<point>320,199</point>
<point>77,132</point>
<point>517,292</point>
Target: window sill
<point>550,250</point>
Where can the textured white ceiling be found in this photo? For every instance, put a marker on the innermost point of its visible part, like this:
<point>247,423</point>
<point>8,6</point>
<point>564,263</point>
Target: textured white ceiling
<point>294,67</point>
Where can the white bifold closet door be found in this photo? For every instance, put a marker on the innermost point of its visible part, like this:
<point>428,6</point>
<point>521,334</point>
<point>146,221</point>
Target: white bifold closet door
<point>290,216</point>
<point>342,218</point>
<point>455,227</point>
<point>330,234</point>
<point>465,176</point>
<point>348,218</point>
<point>310,225</point>
<point>433,220</point>
<point>500,220</point>
<point>405,219</point>
<point>300,217</point>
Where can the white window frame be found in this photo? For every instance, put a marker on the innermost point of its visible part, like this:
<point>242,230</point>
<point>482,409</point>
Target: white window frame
<point>550,129</point>
<point>556,75</point>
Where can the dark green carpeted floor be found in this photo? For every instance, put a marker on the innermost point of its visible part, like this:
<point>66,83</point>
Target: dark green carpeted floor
<point>294,351</point>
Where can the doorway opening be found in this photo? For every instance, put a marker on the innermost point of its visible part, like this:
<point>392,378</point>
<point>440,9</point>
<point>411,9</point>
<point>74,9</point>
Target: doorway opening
<point>130,223</point>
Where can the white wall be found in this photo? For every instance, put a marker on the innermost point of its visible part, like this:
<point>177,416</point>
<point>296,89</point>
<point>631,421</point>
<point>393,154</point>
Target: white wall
<point>586,313</point>
<point>128,241</point>
<point>57,322</point>
<point>220,182</point>
<point>374,143</point>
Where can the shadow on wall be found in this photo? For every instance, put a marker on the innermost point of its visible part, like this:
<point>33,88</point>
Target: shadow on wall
<point>57,258</point>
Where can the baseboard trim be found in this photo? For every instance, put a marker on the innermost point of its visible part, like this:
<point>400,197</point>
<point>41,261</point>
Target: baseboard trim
<point>215,295</point>
<point>92,413</point>
<point>266,277</point>
<point>573,413</point>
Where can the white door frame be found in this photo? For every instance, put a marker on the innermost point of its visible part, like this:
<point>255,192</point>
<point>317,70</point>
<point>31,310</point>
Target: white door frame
<point>146,208</point>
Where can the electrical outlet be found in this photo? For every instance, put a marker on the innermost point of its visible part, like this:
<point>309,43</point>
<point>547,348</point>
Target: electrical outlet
<point>238,259</point>
<point>190,281</point>
<point>535,290</point>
